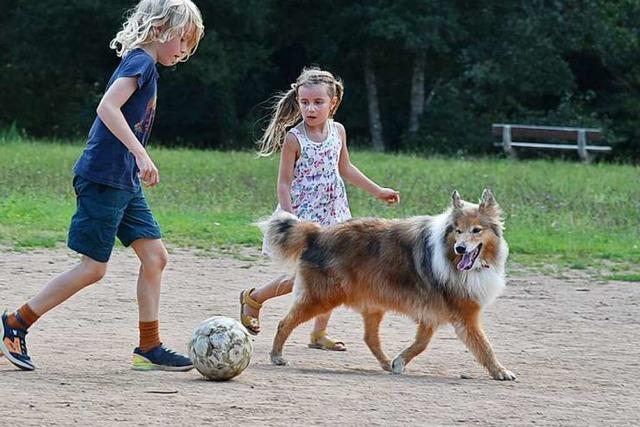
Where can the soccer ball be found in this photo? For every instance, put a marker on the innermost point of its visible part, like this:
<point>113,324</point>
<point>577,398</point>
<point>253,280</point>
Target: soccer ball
<point>220,348</point>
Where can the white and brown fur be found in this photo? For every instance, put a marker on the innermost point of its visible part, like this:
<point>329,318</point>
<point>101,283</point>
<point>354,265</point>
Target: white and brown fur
<point>407,266</point>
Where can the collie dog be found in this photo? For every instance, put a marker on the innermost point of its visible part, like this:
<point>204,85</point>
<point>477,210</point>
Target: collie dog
<point>435,269</point>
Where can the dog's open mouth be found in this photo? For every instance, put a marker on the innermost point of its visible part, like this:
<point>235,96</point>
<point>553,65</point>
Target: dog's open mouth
<point>469,258</point>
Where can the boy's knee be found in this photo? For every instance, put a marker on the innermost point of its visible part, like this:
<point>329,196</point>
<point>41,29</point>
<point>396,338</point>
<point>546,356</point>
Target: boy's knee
<point>94,270</point>
<point>157,260</point>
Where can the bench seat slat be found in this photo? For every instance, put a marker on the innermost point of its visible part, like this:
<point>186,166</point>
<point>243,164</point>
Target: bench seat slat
<point>556,146</point>
<point>546,132</point>
<point>564,128</point>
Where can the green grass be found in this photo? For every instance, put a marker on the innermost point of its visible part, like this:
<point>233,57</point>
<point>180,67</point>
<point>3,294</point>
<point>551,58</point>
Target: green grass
<point>561,212</point>
<point>631,277</point>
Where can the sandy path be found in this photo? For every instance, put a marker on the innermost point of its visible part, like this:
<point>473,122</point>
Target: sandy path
<point>573,344</point>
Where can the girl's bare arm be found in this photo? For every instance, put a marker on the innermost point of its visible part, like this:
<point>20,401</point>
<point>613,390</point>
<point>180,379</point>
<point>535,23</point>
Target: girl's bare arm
<point>288,156</point>
<point>352,174</point>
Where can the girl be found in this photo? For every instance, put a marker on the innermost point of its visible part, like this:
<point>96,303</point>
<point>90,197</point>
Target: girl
<point>313,162</point>
<point>110,200</point>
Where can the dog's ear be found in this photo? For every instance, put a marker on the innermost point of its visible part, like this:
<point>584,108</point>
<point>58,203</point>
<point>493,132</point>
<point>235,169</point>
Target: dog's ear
<point>488,203</point>
<point>456,201</point>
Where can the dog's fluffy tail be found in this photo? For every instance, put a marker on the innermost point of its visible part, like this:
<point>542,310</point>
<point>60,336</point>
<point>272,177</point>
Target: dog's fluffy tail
<point>287,237</point>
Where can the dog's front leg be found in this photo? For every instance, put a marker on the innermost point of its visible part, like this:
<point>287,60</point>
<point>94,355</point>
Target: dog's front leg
<point>302,310</point>
<point>471,333</point>
<point>372,337</point>
<point>423,336</point>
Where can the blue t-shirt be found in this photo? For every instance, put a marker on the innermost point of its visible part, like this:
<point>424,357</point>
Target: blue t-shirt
<point>106,160</point>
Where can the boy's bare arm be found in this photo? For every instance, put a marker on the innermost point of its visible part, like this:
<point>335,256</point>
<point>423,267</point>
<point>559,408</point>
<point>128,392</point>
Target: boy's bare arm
<point>109,111</point>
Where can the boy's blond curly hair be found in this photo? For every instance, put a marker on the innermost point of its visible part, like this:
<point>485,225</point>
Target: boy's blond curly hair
<point>160,20</point>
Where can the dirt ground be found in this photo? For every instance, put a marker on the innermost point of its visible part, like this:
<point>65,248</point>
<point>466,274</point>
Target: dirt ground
<point>573,342</point>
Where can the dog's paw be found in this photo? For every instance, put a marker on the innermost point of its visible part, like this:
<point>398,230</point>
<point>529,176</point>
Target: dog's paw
<point>504,375</point>
<point>278,360</point>
<point>386,366</point>
<point>398,365</point>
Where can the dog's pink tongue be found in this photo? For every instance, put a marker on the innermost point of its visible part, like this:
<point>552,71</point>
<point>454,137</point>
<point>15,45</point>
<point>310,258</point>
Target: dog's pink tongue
<point>466,262</point>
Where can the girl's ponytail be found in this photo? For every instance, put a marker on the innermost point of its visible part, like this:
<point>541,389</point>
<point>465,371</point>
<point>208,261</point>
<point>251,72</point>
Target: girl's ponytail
<point>339,92</point>
<point>285,113</point>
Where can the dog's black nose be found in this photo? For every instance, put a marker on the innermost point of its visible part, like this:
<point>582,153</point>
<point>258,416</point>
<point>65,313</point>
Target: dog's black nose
<point>460,250</point>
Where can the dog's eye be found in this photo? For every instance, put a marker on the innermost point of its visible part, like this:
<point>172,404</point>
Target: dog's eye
<point>476,230</point>
<point>458,231</point>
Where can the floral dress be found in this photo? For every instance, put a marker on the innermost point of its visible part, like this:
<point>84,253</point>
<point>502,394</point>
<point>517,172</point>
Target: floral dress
<point>318,193</point>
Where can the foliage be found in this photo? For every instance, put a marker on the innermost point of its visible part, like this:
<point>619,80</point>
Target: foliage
<point>573,62</point>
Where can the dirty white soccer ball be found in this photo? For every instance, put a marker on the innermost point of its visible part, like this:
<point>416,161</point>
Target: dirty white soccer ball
<point>220,348</point>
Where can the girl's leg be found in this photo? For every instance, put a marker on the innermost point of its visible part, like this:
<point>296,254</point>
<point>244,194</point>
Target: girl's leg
<point>61,288</point>
<point>281,285</point>
<point>319,338</point>
<point>321,323</point>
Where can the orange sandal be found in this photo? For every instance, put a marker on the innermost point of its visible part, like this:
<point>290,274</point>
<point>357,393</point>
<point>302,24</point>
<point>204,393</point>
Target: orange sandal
<point>321,341</point>
<point>251,323</point>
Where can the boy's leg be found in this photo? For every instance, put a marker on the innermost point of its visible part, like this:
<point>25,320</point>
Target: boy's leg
<point>64,286</point>
<point>14,326</point>
<point>153,259</point>
<point>140,229</point>
<point>92,233</point>
<point>151,354</point>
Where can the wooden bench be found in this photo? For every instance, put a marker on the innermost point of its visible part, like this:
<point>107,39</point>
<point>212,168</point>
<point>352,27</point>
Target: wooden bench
<point>541,136</point>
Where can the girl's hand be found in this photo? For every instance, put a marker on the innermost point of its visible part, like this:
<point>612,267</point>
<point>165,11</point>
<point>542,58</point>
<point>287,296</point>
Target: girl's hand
<point>388,195</point>
<point>148,174</point>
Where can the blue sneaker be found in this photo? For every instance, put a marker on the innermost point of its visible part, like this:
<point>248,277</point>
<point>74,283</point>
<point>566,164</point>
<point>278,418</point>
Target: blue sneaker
<point>14,345</point>
<point>160,358</point>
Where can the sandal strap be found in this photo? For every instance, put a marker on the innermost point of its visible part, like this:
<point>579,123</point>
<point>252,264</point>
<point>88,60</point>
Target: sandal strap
<point>317,336</point>
<point>246,299</point>
<point>250,321</point>
<point>322,341</point>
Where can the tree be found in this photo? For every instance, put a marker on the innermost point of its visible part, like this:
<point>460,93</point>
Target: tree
<point>419,28</point>
<point>53,63</point>
<point>375,122</point>
<point>421,75</point>
<point>604,47</point>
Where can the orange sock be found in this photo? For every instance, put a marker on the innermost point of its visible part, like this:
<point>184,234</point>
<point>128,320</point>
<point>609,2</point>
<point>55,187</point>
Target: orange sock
<point>23,318</point>
<point>149,335</point>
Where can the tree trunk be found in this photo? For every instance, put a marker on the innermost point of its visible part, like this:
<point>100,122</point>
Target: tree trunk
<point>375,123</point>
<point>417,92</point>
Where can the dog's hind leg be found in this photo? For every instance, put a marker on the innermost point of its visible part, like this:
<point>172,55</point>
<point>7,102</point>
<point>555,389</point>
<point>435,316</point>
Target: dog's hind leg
<point>372,337</point>
<point>423,336</point>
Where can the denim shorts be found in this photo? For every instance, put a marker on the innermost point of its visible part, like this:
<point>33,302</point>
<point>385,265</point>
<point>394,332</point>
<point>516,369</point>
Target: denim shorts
<point>104,212</point>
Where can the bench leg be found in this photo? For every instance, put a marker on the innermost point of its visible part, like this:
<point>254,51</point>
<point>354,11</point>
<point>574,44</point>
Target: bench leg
<point>582,146</point>
<point>506,142</point>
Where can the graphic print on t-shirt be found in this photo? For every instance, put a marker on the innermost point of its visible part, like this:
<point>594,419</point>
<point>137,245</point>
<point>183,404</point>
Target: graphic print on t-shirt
<point>143,127</point>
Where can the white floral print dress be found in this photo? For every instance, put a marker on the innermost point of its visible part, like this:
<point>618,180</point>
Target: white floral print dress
<point>318,193</point>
